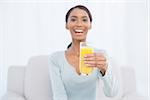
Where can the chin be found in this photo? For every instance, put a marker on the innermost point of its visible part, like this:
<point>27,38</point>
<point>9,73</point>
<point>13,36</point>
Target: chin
<point>83,37</point>
<point>80,39</point>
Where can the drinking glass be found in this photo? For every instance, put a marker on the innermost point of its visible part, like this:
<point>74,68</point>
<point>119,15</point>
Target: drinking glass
<point>85,48</point>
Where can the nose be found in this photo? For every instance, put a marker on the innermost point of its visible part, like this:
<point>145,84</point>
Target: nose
<point>79,23</point>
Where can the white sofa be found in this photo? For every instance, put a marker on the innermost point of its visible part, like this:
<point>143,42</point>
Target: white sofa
<point>32,82</point>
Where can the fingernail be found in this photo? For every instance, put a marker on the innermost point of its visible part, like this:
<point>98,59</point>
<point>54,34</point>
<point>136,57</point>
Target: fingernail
<point>85,62</point>
<point>85,55</point>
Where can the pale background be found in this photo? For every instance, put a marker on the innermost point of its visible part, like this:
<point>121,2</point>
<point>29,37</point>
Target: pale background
<point>29,28</point>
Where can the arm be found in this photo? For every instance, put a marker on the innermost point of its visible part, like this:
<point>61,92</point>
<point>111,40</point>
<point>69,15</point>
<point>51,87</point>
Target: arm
<point>58,89</point>
<point>99,60</point>
<point>110,85</point>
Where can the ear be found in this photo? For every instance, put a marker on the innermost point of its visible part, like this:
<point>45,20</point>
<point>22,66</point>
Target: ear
<point>67,26</point>
<point>90,26</point>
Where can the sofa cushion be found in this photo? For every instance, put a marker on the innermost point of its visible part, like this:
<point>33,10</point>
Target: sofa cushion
<point>37,81</point>
<point>135,96</point>
<point>41,98</point>
<point>12,96</point>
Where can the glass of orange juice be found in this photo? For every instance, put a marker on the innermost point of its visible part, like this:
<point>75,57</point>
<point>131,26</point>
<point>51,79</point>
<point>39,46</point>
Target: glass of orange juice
<point>85,48</point>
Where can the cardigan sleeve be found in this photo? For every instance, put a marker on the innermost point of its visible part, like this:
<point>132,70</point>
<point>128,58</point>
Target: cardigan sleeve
<point>110,83</point>
<point>58,89</point>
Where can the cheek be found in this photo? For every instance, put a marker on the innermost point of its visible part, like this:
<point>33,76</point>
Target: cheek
<point>88,26</point>
<point>69,27</point>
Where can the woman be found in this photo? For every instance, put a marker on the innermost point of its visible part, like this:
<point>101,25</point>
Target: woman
<point>67,83</point>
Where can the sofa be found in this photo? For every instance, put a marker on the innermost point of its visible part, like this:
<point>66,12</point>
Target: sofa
<point>32,82</point>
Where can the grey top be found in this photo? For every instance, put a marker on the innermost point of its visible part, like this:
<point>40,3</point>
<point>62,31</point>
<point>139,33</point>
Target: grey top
<point>68,85</point>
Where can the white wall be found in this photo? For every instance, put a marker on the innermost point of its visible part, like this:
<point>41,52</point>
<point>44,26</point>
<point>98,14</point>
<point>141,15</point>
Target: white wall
<point>29,28</point>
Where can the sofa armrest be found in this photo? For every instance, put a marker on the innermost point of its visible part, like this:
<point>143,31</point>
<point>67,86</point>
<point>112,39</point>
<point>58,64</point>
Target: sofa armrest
<point>12,96</point>
<point>15,79</point>
<point>134,96</point>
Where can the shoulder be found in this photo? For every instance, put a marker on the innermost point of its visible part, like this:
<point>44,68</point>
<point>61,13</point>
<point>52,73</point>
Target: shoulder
<point>56,56</point>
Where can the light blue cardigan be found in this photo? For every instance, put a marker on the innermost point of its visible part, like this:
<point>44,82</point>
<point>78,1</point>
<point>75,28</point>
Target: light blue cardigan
<point>68,85</point>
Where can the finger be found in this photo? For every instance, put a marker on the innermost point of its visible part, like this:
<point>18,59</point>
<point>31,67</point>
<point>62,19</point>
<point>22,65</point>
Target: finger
<point>93,58</point>
<point>89,55</point>
<point>95,63</point>
<point>102,64</point>
<point>90,63</point>
<point>101,58</point>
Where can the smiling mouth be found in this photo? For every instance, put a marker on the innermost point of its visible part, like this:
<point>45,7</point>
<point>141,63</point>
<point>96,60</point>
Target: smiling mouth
<point>78,31</point>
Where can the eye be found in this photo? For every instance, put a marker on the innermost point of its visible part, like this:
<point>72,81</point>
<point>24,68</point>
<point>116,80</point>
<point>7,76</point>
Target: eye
<point>85,20</point>
<point>73,19</point>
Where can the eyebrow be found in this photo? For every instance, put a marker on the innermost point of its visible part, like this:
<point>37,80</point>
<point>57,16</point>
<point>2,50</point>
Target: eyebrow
<point>76,17</point>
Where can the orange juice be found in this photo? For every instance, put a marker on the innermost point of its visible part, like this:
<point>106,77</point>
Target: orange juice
<point>85,70</point>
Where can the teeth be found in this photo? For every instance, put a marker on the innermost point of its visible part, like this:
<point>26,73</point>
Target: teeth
<point>78,30</point>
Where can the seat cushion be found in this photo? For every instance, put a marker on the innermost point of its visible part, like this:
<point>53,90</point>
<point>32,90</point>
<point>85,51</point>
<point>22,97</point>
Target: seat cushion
<point>41,98</point>
<point>134,96</point>
<point>12,96</point>
<point>37,81</point>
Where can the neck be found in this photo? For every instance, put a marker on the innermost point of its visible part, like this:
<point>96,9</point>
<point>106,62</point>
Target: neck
<point>75,48</point>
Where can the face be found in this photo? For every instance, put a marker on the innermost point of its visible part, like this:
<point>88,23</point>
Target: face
<point>78,24</point>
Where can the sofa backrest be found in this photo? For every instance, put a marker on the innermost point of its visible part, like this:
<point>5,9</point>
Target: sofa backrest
<point>37,81</point>
<point>38,86</point>
<point>128,80</point>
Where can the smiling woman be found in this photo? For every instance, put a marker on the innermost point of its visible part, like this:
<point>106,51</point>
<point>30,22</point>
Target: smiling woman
<point>67,81</point>
<point>78,23</point>
<point>119,27</point>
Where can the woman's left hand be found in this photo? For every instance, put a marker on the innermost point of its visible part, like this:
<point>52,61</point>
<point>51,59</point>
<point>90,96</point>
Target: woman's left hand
<point>97,60</point>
